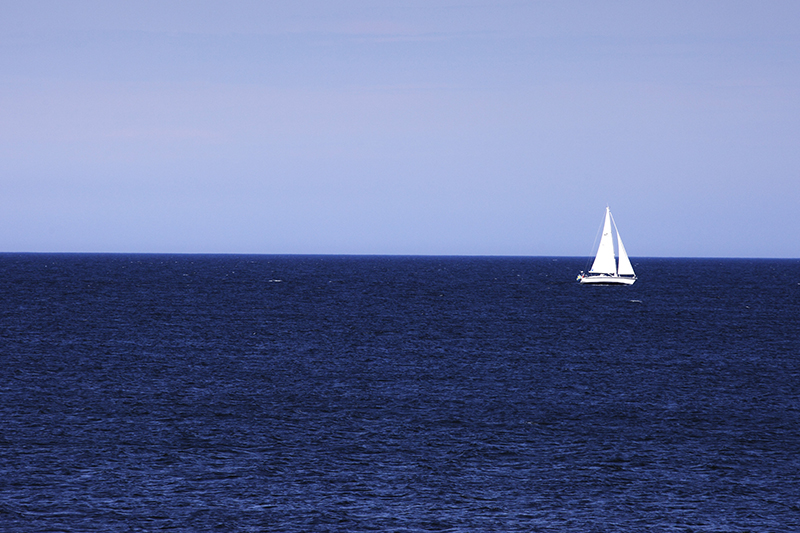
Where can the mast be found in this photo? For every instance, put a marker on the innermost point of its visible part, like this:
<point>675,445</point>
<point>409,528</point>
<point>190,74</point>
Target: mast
<point>625,267</point>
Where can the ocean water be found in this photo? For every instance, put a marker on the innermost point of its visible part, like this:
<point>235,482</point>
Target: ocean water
<point>304,393</point>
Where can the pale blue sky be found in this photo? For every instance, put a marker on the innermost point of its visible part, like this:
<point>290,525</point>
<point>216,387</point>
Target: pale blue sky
<point>385,127</point>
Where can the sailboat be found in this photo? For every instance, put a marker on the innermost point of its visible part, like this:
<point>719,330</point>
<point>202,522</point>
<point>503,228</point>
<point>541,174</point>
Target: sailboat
<point>606,269</point>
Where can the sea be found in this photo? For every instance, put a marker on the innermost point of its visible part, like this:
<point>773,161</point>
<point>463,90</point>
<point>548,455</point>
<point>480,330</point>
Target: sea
<point>249,393</point>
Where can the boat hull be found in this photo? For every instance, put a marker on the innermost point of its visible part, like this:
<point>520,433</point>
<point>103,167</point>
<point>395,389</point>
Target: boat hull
<point>606,280</point>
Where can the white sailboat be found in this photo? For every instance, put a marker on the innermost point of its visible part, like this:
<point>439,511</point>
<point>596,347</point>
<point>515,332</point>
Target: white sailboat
<point>606,270</point>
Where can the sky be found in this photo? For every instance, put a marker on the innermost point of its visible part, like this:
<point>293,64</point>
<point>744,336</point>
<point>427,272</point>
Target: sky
<point>435,127</point>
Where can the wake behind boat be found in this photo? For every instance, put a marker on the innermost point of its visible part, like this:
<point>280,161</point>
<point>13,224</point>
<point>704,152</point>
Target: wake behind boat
<point>606,270</point>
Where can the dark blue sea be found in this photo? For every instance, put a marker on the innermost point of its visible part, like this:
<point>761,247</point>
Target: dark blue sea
<point>409,394</point>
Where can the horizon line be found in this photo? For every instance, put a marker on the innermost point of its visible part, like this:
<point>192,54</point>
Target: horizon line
<point>408,255</point>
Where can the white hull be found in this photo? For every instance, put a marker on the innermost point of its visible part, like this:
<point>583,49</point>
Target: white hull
<point>607,280</point>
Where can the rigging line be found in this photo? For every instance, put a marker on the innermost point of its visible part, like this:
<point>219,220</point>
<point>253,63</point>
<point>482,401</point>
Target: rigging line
<point>593,251</point>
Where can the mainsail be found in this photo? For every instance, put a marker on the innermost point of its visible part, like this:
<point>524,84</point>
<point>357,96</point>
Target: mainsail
<point>604,262</point>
